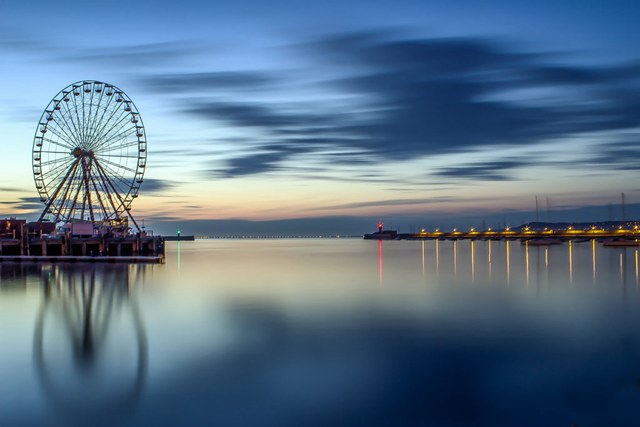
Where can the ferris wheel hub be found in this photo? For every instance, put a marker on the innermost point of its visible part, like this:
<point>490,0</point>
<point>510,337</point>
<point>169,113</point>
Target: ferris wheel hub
<point>79,152</point>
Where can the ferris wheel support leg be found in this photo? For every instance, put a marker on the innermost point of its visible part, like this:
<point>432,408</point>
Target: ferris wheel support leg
<point>117,194</point>
<point>73,166</point>
<point>86,173</point>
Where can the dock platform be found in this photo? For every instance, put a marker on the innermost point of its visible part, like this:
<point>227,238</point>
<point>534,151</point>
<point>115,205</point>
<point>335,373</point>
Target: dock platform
<point>157,259</point>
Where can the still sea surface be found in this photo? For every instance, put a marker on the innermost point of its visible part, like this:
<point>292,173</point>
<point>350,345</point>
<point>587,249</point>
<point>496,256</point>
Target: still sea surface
<point>326,332</point>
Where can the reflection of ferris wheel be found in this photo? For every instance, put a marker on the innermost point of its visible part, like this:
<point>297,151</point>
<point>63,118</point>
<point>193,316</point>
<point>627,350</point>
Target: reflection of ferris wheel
<point>89,154</point>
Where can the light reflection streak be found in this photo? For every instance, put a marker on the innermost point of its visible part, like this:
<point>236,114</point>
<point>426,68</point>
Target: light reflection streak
<point>178,255</point>
<point>423,269</point>
<point>380,262</point>
<point>508,261</point>
<point>437,257</point>
<point>621,269</point>
<point>455,258</point>
<point>473,274</point>
<point>593,258</point>
<point>571,261</point>
<point>546,259</point>
<point>636,256</point>
<point>526,257</point>
<point>489,259</point>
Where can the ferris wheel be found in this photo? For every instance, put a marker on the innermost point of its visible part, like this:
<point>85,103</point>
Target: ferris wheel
<point>89,154</point>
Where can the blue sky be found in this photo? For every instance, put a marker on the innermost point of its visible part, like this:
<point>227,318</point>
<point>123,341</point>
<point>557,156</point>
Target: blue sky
<point>433,113</point>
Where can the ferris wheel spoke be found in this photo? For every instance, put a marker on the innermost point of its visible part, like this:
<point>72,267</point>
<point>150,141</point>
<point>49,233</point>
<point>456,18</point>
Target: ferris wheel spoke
<point>77,114</point>
<point>88,120</point>
<point>109,124</point>
<point>57,160</point>
<point>58,127</point>
<point>116,138</point>
<point>95,116</point>
<point>109,162</point>
<point>122,201</point>
<point>75,198</point>
<point>54,172</point>
<point>74,120</point>
<point>76,132</point>
<point>116,147</point>
<point>83,104</point>
<point>106,182</point>
<point>57,191</point>
<point>53,152</point>
<point>77,111</point>
<point>62,123</point>
<point>86,199</point>
<point>99,126</point>
<point>114,129</point>
<point>66,203</point>
<point>69,144</point>
<point>58,144</point>
<point>119,156</point>
<point>98,191</point>
<point>122,184</point>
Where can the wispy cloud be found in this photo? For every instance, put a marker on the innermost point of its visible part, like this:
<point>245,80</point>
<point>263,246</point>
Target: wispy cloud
<point>396,98</point>
<point>498,170</point>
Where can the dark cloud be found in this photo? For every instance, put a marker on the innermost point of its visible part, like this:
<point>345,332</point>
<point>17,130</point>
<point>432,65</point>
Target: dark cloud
<point>259,162</point>
<point>382,203</point>
<point>225,80</point>
<point>132,56</point>
<point>155,185</point>
<point>13,39</point>
<point>412,98</point>
<point>29,204</point>
<point>12,189</point>
<point>619,155</point>
<point>486,171</point>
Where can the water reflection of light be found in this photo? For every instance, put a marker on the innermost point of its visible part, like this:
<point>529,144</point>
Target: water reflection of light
<point>621,268</point>
<point>508,261</point>
<point>571,261</point>
<point>636,256</point>
<point>489,259</point>
<point>546,259</point>
<point>178,255</point>
<point>526,260</point>
<point>380,262</point>
<point>423,257</point>
<point>92,311</point>
<point>593,258</point>
<point>473,274</point>
<point>455,258</point>
<point>437,257</point>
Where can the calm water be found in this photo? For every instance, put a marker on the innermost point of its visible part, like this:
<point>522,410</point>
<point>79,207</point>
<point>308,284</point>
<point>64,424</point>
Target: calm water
<point>326,333</point>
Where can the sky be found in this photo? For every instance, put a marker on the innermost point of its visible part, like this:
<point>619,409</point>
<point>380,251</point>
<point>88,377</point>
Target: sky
<point>323,117</point>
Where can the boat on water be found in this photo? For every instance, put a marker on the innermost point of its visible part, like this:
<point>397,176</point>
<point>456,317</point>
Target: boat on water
<point>620,242</point>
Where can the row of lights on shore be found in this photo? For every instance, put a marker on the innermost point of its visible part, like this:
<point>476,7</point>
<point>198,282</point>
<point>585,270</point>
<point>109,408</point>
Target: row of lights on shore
<point>527,229</point>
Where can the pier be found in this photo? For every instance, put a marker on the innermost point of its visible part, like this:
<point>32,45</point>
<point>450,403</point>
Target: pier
<point>41,241</point>
<point>620,234</point>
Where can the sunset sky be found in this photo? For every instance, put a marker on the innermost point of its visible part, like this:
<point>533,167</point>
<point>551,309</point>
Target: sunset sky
<point>337,112</point>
